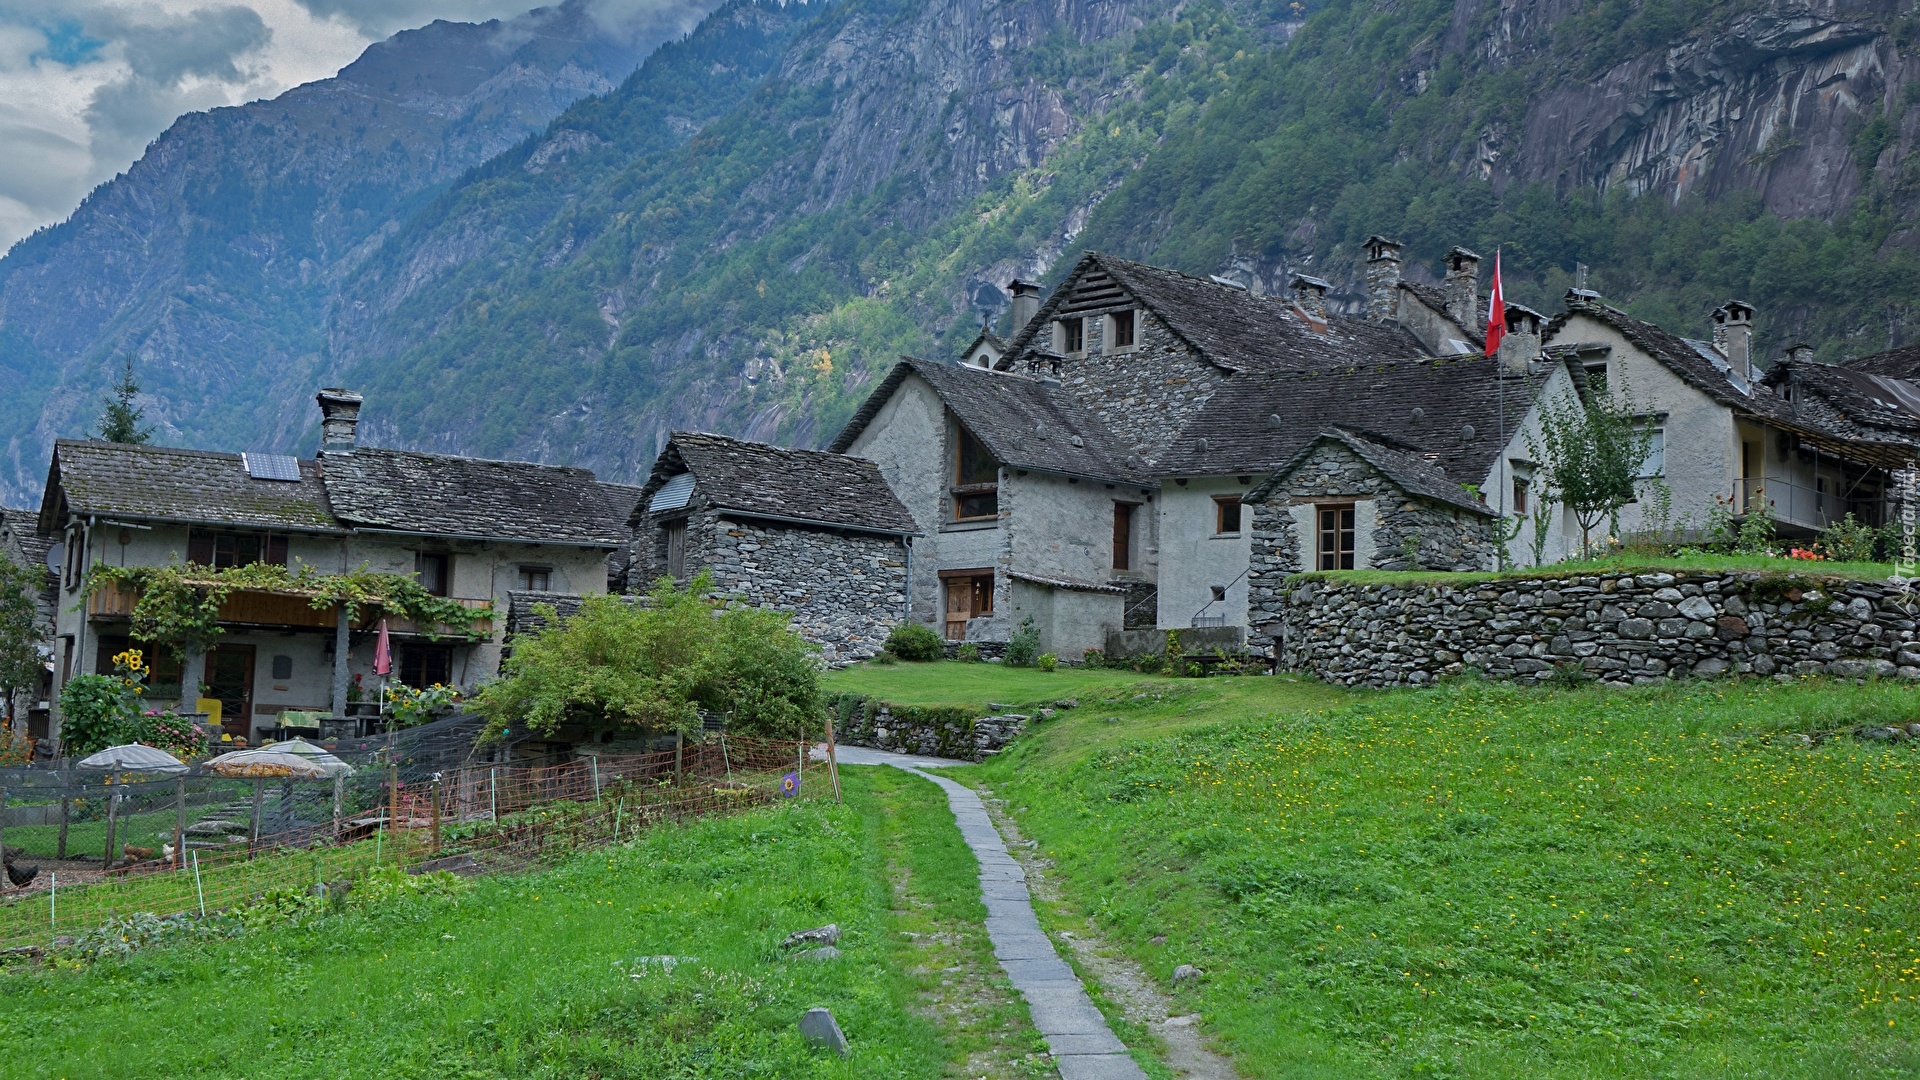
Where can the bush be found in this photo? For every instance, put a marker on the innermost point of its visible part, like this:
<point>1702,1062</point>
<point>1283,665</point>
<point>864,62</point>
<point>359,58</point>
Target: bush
<point>914,641</point>
<point>968,653</point>
<point>1048,661</point>
<point>1024,645</point>
<point>96,712</point>
<point>1094,658</point>
<point>885,658</point>
<point>1848,540</point>
<point>656,667</point>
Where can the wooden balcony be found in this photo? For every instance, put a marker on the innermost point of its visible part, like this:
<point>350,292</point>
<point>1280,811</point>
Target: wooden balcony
<point>249,607</point>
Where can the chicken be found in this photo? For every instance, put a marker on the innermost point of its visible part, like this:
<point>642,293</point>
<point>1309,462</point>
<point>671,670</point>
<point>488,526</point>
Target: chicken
<point>21,878</point>
<point>137,854</point>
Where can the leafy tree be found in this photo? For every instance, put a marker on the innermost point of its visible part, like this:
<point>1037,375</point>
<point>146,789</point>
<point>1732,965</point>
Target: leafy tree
<point>120,422</point>
<point>20,661</point>
<point>1592,447</point>
<point>656,666</point>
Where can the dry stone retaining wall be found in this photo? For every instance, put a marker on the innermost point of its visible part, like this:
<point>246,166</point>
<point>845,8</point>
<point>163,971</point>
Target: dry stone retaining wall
<point>1627,629</point>
<point>946,733</point>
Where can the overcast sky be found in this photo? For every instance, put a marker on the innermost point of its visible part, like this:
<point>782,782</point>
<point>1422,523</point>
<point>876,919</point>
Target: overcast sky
<point>85,85</point>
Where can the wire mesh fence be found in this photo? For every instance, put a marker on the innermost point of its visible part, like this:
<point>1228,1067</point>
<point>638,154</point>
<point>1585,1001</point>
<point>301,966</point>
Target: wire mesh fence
<point>113,845</point>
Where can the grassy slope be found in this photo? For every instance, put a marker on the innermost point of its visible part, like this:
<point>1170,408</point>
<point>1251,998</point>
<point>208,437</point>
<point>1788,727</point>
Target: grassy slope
<point>1489,882</point>
<point>521,978</point>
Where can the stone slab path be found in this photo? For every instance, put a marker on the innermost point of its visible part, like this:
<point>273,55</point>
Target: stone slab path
<point>1083,1046</point>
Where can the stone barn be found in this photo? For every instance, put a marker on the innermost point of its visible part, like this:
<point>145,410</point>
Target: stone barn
<point>816,534</point>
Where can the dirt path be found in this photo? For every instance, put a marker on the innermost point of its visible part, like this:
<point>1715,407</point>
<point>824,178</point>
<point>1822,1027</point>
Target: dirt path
<point>1122,981</point>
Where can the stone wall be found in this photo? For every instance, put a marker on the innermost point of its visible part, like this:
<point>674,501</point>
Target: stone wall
<point>846,590</point>
<point>949,733</point>
<point>1146,394</point>
<point>1628,629</point>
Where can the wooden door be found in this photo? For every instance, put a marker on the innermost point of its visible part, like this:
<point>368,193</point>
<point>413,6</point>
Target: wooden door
<point>230,678</point>
<point>959,607</point>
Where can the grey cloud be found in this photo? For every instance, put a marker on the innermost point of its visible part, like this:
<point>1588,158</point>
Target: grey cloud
<point>381,18</point>
<point>206,42</point>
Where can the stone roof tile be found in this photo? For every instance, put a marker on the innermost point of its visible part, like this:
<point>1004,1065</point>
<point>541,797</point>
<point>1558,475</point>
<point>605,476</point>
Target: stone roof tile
<point>443,495</point>
<point>762,480</point>
<point>194,487</point>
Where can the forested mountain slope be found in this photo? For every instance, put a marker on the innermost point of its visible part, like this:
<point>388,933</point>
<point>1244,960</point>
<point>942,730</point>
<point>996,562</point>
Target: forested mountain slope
<point>744,233</point>
<point>904,156</point>
<point>213,259</point>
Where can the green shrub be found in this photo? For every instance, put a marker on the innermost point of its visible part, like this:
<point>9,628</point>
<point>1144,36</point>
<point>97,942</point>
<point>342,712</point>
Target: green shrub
<point>885,658</point>
<point>968,653</point>
<point>1094,658</point>
<point>1024,645</point>
<point>915,641</point>
<point>1048,661</point>
<point>1848,540</point>
<point>96,712</point>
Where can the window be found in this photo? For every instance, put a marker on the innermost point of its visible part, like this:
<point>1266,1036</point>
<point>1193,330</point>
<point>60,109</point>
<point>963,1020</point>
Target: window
<point>1226,515</point>
<point>433,569</point>
<point>1336,537</point>
<point>223,550</point>
<point>1596,377</point>
<point>676,537</point>
<point>424,665</point>
<point>1120,330</point>
<point>535,578</point>
<point>1521,486</point>
<point>1123,535</point>
<point>976,486</point>
<point>1073,335</point>
<point>1656,462</point>
<point>1219,593</point>
<point>163,676</point>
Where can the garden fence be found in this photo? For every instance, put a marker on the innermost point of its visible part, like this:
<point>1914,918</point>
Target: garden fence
<point>238,839</point>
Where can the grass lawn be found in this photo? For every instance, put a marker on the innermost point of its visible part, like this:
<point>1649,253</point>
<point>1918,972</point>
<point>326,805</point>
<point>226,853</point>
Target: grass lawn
<point>541,976</point>
<point>1484,881</point>
<point>1623,564</point>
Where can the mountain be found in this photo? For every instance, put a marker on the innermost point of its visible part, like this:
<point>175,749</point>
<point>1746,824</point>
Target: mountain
<point>212,260</point>
<point>741,235</point>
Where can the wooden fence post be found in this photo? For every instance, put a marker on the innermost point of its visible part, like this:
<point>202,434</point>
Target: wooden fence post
<point>113,806</point>
<point>259,794</point>
<point>679,744</point>
<point>339,803</point>
<point>434,790</point>
<point>65,803</point>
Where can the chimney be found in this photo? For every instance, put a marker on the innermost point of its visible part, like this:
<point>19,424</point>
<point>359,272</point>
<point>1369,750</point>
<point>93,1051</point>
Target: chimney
<point>1310,297</point>
<point>1026,302</point>
<point>1733,333</point>
<point>1463,288</point>
<point>339,415</point>
<point>1800,352</point>
<point>1383,278</point>
<point>1521,346</point>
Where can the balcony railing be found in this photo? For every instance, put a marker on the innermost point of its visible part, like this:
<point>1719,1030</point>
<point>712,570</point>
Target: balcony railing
<point>249,607</point>
<point>1799,504</point>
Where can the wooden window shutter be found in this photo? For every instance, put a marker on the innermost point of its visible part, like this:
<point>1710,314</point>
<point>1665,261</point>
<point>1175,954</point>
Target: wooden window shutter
<point>200,547</point>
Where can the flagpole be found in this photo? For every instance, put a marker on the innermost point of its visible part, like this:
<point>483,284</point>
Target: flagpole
<point>1500,406</point>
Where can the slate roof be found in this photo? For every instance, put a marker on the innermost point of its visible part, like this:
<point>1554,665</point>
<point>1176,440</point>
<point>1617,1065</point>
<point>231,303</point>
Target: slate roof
<point>193,487</point>
<point>443,495</point>
<point>1900,363</point>
<point>1696,362</point>
<point>1258,423</point>
<point>1405,466</point>
<point>1873,400</point>
<point>1232,327</point>
<point>22,529</point>
<point>762,480</point>
<point>1027,423</point>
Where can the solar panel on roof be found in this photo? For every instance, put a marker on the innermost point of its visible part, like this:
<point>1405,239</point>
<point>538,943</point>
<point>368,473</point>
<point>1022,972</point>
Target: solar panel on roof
<point>673,494</point>
<point>272,466</point>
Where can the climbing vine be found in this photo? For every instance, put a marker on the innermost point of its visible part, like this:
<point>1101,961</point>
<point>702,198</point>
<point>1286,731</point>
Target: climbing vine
<point>179,606</point>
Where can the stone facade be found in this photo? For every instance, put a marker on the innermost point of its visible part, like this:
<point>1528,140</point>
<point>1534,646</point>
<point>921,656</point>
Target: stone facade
<point>1447,538</point>
<point>1629,629</point>
<point>846,590</point>
<point>1146,394</point>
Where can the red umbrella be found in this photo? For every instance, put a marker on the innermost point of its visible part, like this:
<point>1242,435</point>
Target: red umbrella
<point>383,653</point>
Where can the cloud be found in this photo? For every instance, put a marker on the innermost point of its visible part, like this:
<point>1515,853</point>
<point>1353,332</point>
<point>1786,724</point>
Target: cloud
<point>382,18</point>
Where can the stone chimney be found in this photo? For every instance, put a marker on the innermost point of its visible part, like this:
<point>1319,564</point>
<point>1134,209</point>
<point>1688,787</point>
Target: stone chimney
<point>1800,352</point>
<point>1463,288</point>
<point>1521,346</point>
<point>1383,278</point>
<point>339,415</point>
<point>1733,334</point>
<point>1026,302</point>
<point>1310,297</point>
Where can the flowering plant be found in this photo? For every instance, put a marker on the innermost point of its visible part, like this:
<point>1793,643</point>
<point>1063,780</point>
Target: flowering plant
<point>1808,554</point>
<point>411,707</point>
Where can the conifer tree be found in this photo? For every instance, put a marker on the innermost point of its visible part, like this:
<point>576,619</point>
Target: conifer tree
<point>120,422</point>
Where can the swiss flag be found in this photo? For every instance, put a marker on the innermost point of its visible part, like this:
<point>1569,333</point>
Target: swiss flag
<point>1496,310</point>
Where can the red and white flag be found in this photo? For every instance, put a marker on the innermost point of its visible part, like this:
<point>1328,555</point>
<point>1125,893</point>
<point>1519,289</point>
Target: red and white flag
<point>1496,310</point>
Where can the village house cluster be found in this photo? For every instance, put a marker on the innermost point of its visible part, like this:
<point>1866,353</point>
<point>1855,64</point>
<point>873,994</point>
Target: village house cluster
<point>1147,451</point>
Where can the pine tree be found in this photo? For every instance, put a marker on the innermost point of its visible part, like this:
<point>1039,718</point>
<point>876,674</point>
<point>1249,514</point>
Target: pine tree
<point>120,423</point>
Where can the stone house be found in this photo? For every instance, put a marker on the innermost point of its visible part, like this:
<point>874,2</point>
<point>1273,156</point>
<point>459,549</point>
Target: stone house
<point>21,542</point>
<point>472,530</point>
<point>817,534</point>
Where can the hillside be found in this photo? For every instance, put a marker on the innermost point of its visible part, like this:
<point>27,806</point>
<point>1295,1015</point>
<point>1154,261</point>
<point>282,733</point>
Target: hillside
<point>744,233</point>
<point>213,259</point>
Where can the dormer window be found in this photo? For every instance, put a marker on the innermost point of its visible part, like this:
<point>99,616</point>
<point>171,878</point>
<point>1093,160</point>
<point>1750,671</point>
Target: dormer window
<point>1071,336</point>
<point>976,479</point>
